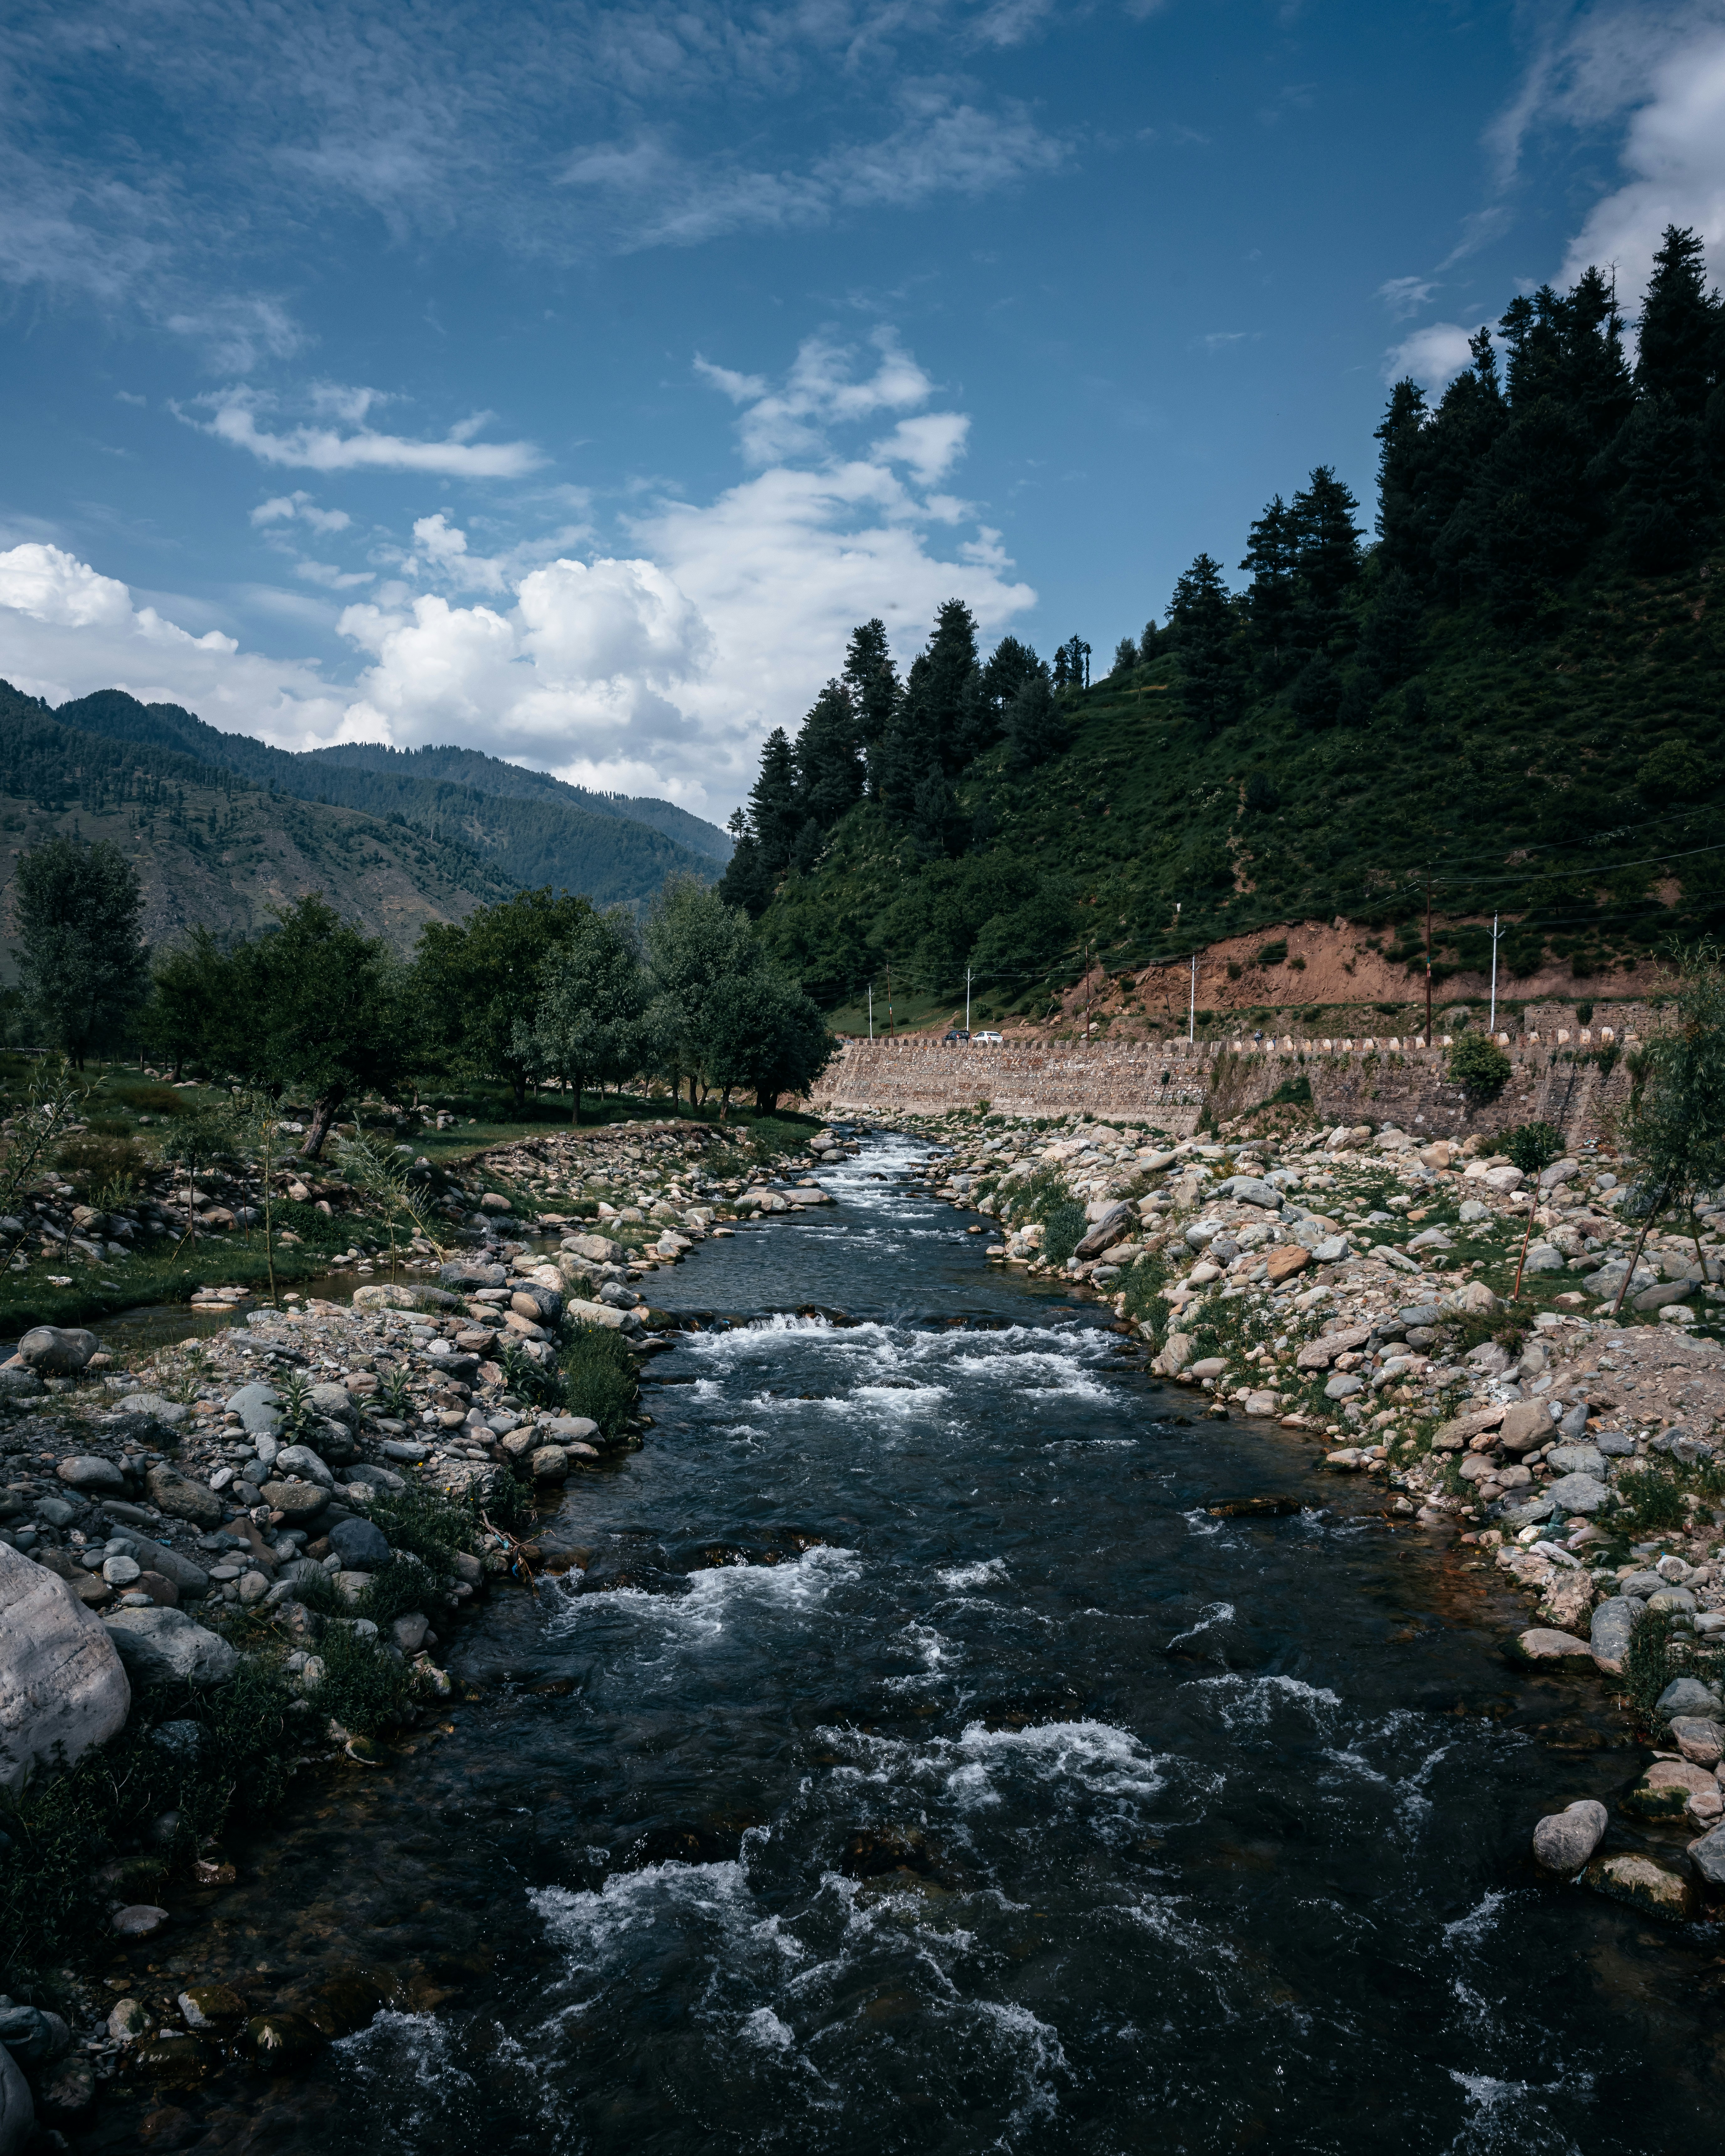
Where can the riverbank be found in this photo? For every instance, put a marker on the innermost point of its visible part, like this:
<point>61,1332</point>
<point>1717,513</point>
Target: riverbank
<point>261,1542</point>
<point>1359,1286</point>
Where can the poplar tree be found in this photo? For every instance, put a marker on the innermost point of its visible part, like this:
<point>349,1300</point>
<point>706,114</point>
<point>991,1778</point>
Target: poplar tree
<point>81,958</point>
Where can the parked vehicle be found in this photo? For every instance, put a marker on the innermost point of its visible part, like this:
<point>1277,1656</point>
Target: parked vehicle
<point>957,1033</point>
<point>987,1036</point>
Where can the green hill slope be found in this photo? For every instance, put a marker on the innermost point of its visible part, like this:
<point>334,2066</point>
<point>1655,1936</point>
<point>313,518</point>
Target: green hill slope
<point>212,849</point>
<point>1517,695</point>
<point>538,829</point>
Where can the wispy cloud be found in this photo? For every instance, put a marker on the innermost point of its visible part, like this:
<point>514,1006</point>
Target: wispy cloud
<point>1405,295</point>
<point>947,142</point>
<point>232,416</point>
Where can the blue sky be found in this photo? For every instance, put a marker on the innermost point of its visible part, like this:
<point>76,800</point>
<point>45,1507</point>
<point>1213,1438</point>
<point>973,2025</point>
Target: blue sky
<point>566,381</point>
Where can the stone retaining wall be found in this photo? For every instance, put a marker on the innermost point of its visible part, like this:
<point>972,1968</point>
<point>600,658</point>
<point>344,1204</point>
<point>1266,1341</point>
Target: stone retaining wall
<point>1554,1078</point>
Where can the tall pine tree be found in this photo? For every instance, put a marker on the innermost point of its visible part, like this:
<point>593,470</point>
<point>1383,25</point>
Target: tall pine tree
<point>1202,618</point>
<point>1681,326</point>
<point>872,682</point>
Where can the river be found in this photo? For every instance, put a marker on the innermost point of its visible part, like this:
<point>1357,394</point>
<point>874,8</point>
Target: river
<point>1021,1803</point>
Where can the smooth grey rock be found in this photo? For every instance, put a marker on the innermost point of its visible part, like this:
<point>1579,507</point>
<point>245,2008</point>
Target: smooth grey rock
<point>57,1351</point>
<point>156,1557</point>
<point>95,1476</point>
<point>1564,1841</point>
<point>361,1547</point>
<point>1641,1584</point>
<point>161,1646</point>
<point>1699,1738</point>
<point>1708,1856</point>
<point>259,1407</point>
<point>1577,1493</point>
<point>158,1406</point>
<point>377,1478</point>
<point>1671,1600</point>
<point>18,2113</point>
<point>461,1273</point>
<point>300,1462</point>
<point>572,1430</point>
<point>55,1511</point>
<point>1578,1460</point>
<point>335,1401</point>
<point>1543,1258</point>
<point>409,1633</point>
<point>61,1681</point>
<point>1613,1621</point>
<point>1529,1515</point>
<point>1615,1443</point>
<point>1248,1190</point>
<point>1331,1251</point>
<point>1685,1697</point>
<point>1343,1386</point>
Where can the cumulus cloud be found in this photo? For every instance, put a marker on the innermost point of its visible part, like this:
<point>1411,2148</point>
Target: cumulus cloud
<point>1433,356</point>
<point>657,666</point>
<point>65,629</point>
<point>350,444</point>
<point>1674,155</point>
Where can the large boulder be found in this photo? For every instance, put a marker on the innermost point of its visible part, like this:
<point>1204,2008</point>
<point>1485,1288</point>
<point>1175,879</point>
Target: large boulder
<point>54,1352</point>
<point>91,1474</point>
<point>461,1272</point>
<point>1577,1493</point>
<point>360,1545</point>
<point>392,1294</point>
<point>17,2114</point>
<point>334,1401</point>
<point>1708,1856</point>
<point>61,1681</point>
<point>300,1463</point>
<point>597,1249</point>
<point>1645,1885</point>
<point>1111,1226</point>
<point>1613,1621</point>
<point>183,1499</point>
<point>1685,1696</point>
<point>259,1407</point>
<point>1564,1841</point>
<point>295,1500</point>
<point>161,1646</point>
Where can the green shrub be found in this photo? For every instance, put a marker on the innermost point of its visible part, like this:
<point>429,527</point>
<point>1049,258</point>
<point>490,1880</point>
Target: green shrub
<point>1479,1066</point>
<point>362,1688</point>
<point>599,1379</point>
<point>1291,1093</point>
<point>426,1524</point>
<point>1063,1231</point>
<point>406,1583</point>
<point>1653,1501</point>
<point>1533,1147</point>
<point>1271,954</point>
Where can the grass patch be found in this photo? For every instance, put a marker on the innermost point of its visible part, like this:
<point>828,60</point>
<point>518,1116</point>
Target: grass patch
<point>362,1689</point>
<point>599,1379</point>
<point>1063,1231</point>
<point>100,1811</point>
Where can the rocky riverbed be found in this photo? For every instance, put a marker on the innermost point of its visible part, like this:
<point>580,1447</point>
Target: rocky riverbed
<point>1357,1285</point>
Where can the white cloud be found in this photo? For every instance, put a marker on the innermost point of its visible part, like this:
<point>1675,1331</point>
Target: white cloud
<point>1433,356</point>
<point>65,630</point>
<point>284,507</point>
<point>1675,152</point>
<point>946,143</point>
<point>930,445</point>
<point>1405,295</point>
<point>658,666</point>
<point>233,418</point>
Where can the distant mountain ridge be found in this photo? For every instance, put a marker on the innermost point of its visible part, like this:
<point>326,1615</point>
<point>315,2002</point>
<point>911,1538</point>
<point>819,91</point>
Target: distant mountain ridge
<point>537,829</point>
<point>215,849</point>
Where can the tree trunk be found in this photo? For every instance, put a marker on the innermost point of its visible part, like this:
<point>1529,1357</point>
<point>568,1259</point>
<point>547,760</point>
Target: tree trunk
<point>521,1092</point>
<point>323,1115</point>
<point>766,1103</point>
<point>576,1082</point>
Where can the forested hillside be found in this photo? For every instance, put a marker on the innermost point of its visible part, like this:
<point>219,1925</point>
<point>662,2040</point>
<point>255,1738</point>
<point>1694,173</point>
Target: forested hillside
<point>535,828</point>
<point>1512,689</point>
<point>212,850</point>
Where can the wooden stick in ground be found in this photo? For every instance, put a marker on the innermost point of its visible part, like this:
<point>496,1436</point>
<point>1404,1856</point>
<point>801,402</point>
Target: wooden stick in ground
<point>1514,1293</point>
<point>1653,1214</point>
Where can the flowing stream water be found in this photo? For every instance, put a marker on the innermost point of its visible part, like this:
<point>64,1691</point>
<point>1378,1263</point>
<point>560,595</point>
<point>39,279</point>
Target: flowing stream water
<point>988,1793</point>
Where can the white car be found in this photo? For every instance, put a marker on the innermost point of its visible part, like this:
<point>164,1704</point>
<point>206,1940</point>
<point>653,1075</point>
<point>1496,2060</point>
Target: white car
<point>987,1036</point>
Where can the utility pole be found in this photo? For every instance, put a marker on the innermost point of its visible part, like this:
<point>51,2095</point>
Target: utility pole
<point>891,1032</point>
<point>1428,962</point>
<point>967,999</point>
<point>1492,1026</point>
<point>872,1010</point>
